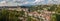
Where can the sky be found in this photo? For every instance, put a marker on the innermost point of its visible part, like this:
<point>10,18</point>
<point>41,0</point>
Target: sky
<point>27,2</point>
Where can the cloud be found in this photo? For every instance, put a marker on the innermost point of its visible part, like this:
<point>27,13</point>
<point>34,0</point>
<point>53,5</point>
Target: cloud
<point>13,2</point>
<point>54,1</point>
<point>24,2</point>
<point>37,1</point>
<point>3,2</point>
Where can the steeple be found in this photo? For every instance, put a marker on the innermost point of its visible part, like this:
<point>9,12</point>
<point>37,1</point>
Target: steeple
<point>18,6</point>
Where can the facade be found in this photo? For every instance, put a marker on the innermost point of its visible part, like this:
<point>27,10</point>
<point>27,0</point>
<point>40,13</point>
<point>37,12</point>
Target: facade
<point>18,9</point>
<point>44,14</point>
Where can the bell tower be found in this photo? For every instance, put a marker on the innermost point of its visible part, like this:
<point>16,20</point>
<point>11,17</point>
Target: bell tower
<point>18,6</point>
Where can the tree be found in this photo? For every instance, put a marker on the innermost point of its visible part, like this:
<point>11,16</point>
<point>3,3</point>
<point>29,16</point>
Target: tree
<point>53,17</point>
<point>53,8</point>
<point>57,17</point>
<point>4,15</point>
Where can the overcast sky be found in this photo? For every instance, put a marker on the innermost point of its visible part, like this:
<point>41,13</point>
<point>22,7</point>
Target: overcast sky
<point>27,2</point>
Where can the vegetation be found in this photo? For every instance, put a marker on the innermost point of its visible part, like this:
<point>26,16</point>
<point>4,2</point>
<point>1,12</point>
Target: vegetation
<point>8,15</point>
<point>51,8</point>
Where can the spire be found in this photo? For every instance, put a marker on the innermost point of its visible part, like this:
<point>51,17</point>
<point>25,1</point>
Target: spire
<point>17,6</point>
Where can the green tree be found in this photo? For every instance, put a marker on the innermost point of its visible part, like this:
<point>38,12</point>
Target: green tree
<point>4,15</point>
<point>53,8</point>
<point>53,17</point>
